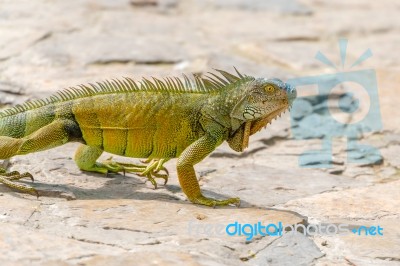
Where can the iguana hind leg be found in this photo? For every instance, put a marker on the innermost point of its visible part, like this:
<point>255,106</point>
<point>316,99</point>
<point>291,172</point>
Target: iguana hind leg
<point>50,136</point>
<point>86,159</point>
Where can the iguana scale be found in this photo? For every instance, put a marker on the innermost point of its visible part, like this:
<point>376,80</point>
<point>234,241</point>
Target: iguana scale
<point>154,119</point>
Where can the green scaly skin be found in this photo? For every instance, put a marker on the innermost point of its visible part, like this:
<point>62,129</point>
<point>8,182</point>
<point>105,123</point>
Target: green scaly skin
<point>158,120</point>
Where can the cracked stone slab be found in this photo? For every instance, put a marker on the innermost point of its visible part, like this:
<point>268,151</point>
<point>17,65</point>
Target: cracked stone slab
<point>278,54</point>
<point>362,249</point>
<point>285,7</point>
<point>126,226</point>
<point>290,249</point>
<point>349,202</point>
<point>357,207</point>
<point>15,209</point>
<point>22,245</point>
<point>391,155</point>
<point>157,258</point>
<point>262,185</point>
<point>12,45</point>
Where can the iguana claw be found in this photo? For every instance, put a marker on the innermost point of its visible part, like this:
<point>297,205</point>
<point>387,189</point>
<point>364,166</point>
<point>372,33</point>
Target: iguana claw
<point>7,179</point>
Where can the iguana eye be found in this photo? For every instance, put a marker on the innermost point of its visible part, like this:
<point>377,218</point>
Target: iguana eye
<point>269,88</point>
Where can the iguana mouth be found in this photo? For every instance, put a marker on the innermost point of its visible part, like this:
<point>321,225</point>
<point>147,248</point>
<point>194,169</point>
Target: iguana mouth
<point>252,127</point>
<point>258,124</point>
<point>276,113</point>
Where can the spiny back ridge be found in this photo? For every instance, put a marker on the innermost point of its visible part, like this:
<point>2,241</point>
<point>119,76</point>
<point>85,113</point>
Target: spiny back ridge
<point>198,84</point>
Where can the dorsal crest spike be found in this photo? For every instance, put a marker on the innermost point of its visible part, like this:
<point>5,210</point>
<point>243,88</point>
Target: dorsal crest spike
<point>174,85</point>
<point>208,83</point>
<point>126,84</point>
<point>93,87</point>
<point>115,86</point>
<point>238,73</point>
<point>75,92</point>
<point>101,85</point>
<point>231,78</point>
<point>160,84</point>
<point>169,84</point>
<point>223,81</point>
<point>149,85</point>
<point>120,85</point>
<point>133,84</point>
<point>215,82</point>
<point>181,87</point>
<point>199,83</point>
<point>188,84</point>
<point>108,86</point>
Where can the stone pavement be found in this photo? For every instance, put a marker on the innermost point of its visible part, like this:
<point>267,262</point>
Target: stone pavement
<point>89,219</point>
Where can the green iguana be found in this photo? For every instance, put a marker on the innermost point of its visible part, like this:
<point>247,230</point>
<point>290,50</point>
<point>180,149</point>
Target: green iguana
<point>154,119</point>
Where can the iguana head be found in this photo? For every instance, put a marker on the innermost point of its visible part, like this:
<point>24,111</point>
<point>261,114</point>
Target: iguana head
<point>262,101</point>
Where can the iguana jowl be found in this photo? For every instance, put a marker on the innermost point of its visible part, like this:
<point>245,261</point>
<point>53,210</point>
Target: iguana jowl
<point>158,119</point>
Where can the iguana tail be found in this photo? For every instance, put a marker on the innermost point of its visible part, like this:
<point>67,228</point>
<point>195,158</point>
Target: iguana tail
<point>36,130</point>
<point>27,131</point>
<point>24,123</point>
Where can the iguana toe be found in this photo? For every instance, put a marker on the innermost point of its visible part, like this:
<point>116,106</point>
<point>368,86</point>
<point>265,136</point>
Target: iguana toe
<point>213,202</point>
<point>151,169</point>
<point>7,179</point>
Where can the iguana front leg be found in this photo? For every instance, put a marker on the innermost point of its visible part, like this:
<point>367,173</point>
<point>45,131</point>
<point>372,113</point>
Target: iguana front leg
<point>86,159</point>
<point>193,154</point>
